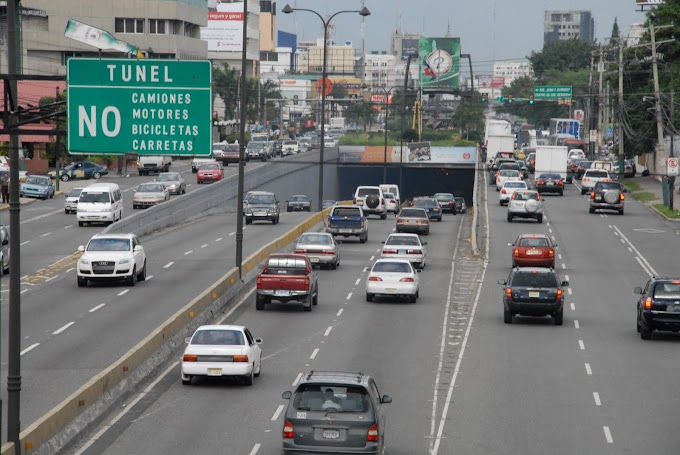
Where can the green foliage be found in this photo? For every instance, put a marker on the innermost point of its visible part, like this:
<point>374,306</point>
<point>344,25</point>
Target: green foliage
<point>226,86</point>
<point>362,113</point>
<point>469,117</point>
<point>410,135</point>
<point>233,137</point>
<point>616,33</point>
<point>367,138</point>
<point>571,55</point>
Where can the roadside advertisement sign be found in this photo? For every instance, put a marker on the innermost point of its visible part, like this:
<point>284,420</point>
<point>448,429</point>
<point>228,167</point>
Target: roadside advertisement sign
<point>643,3</point>
<point>417,153</point>
<point>95,37</point>
<point>409,46</point>
<point>439,63</point>
<point>225,27</point>
<point>498,82</point>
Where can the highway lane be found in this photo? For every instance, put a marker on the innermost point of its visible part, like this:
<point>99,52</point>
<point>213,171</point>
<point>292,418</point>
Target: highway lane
<point>68,335</point>
<point>394,342</point>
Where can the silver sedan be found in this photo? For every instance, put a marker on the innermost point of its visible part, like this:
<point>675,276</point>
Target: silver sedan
<point>148,194</point>
<point>320,248</point>
<point>173,181</point>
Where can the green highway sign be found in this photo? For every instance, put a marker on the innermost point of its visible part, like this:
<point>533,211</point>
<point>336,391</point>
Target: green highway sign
<point>552,92</point>
<point>149,107</point>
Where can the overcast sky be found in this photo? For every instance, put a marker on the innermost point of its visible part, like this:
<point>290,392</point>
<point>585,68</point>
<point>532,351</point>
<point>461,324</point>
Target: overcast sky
<point>489,29</point>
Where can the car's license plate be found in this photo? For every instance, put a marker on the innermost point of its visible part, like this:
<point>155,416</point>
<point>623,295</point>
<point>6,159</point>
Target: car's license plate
<point>411,222</point>
<point>331,434</point>
<point>533,252</point>
<point>673,308</point>
<point>550,183</point>
<point>403,252</point>
<point>519,204</point>
<point>282,292</point>
<point>313,259</point>
<point>534,294</point>
<point>214,371</point>
<point>391,289</point>
<point>345,230</point>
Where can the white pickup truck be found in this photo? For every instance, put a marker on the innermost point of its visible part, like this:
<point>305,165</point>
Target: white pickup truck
<point>153,163</point>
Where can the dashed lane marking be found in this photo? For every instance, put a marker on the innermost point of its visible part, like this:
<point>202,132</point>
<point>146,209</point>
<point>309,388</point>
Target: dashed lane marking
<point>568,289</point>
<point>123,292</point>
<point>573,307</point>
<point>372,257</point>
<point>219,239</point>
<point>30,348</point>
<point>188,252</point>
<point>204,245</point>
<point>297,379</point>
<point>576,324</point>
<point>566,277</point>
<point>232,233</point>
<point>340,311</point>
<point>328,331</point>
<point>564,266</point>
<point>349,296</point>
<point>101,305</point>
<point>589,371</point>
<point>168,265</point>
<point>581,345</point>
<point>356,283</point>
<point>257,446</point>
<point>314,353</point>
<point>51,278</point>
<point>25,290</point>
<point>277,413</point>
<point>608,435</point>
<point>596,397</point>
<point>45,234</point>
<point>62,328</point>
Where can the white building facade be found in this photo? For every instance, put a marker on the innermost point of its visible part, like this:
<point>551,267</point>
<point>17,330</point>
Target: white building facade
<point>511,70</point>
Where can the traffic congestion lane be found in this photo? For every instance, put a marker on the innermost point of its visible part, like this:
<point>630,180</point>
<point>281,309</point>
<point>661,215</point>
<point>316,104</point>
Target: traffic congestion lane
<point>521,388</point>
<point>343,332</point>
<point>68,335</point>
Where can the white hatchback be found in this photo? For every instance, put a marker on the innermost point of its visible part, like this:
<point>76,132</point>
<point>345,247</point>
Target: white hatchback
<point>509,188</point>
<point>504,175</point>
<point>222,350</point>
<point>392,278</point>
<point>405,246</point>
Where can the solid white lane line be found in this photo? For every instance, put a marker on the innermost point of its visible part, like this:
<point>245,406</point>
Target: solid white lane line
<point>121,293</point>
<point>340,311</point>
<point>297,379</point>
<point>651,269</point>
<point>149,277</point>
<point>45,234</point>
<point>566,277</point>
<point>68,227</point>
<point>608,435</point>
<point>29,349</point>
<point>28,284</point>
<point>644,267</point>
<point>24,277</point>
<point>101,305</point>
<point>168,265</point>
<point>24,243</point>
<point>573,307</point>
<point>314,353</point>
<point>349,296</point>
<point>372,257</point>
<point>277,413</point>
<point>328,330</point>
<point>232,233</point>
<point>576,324</point>
<point>62,328</point>
<point>219,239</point>
<point>596,397</point>
<point>568,289</point>
<point>356,283</point>
<point>581,345</point>
<point>589,371</point>
<point>204,245</point>
<point>256,448</point>
<point>189,252</point>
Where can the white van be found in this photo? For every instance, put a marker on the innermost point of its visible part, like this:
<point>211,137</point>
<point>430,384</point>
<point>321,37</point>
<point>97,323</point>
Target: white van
<point>394,189</point>
<point>100,203</point>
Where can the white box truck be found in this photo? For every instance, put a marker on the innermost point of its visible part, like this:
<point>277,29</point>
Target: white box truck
<point>551,159</point>
<point>499,143</point>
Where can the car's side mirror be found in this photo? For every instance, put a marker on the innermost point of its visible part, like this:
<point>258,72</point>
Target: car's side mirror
<point>637,290</point>
<point>565,283</point>
<point>138,248</point>
<point>625,190</point>
<point>503,282</point>
<point>555,245</point>
<point>286,395</point>
<point>386,399</point>
<point>187,340</point>
<point>258,340</point>
<point>383,242</point>
<point>287,200</point>
<point>511,244</point>
<point>5,242</point>
<point>81,248</point>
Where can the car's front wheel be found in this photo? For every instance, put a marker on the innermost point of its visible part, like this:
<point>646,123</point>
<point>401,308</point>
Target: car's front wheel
<point>64,178</point>
<point>96,175</point>
<point>132,279</point>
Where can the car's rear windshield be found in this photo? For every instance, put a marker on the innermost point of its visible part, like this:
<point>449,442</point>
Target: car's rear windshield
<point>585,164</point>
<point>509,173</point>
<point>289,142</point>
<point>513,165</point>
<point>109,245</point>
<point>534,280</point>
<point>669,291</point>
<point>525,195</point>
<point>443,196</point>
<point>87,196</point>
<point>315,239</point>
<point>255,145</point>
<point>515,185</point>
<point>286,266</point>
<point>233,148</point>
<point>607,186</point>
<point>331,398</point>
<point>363,192</point>
<point>391,267</point>
<point>261,199</point>
<point>218,337</point>
<point>388,195</point>
<point>533,242</point>
<point>597,174</point>
<point>75,192</point>
<point>426,203</point>
<point>346,212</point>
<point>402,240</point>
<point>168,177</point>
<point>549,176</point>
<point>412,213</point>
<point>299,198</point>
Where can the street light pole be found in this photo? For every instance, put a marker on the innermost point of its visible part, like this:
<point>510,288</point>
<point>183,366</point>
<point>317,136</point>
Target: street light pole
<point>326,22</point>
<point>241,147</point>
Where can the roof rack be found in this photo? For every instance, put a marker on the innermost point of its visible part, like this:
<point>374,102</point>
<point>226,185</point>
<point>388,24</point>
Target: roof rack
<point>309,376</point>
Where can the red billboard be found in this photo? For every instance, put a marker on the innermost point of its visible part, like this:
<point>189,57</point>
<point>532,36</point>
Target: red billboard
<point>498,82</point>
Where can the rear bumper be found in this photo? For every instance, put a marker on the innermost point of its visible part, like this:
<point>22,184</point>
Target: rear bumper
<point>347,231</point>
<point>226,368</point>
<point>290,448</point>
<point>415,228</point>
<point>293,296</point>
<point>605,206</point>
<point>660,320</point>
<point>393,289</point>
<point>550,189</point>
<point>534,262</point>
<point>95,217</point>
<point>533,309</point>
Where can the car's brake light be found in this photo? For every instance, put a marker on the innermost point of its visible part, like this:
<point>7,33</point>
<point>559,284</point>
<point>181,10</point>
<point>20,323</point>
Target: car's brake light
<point>307,281</point>
<point>607,180</point>
<point>516,252</point>
<point>190,358</point>
<point>648,303</point>
<point>389,251</point>
<point>374,278</point>
<point>503,191</point>
<point>299,251</point>
<point>551,252</point>
<point>372,434</point>
<point>586,179</point>
<point>392,201</point>
<point>354,201</point>
<point>382,201</point>
<point>538,197</point>
<point>592,195</point>
<point>560,182</point>
<point>288,430</point>
<point>240,359</point>
<point>498,179</point>
<point>329,252</point>
<point>452,203</point>
<point>621,196</point>
<point>414,252</point>
<point>559,294</point>
<point>508,292</point>
<point>258,281</point>
<point>407,280</point>
<point>539,182</point>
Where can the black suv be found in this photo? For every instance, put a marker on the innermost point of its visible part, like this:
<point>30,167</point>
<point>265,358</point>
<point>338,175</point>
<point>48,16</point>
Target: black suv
<point>334,412</point>
<point>533,291</point>
<point>607,196</point>
<point>658,307</point>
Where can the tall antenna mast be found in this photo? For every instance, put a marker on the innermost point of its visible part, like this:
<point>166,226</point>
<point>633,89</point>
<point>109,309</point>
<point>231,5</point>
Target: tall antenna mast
<point>448,28</point>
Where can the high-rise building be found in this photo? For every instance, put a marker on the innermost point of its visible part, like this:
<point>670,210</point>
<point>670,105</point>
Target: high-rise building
<point>340,59</point>
<point>511,70</point>
<point>267,26</point>
<point>567,25</point>
<point>380,70</point>
<point>403,44</point>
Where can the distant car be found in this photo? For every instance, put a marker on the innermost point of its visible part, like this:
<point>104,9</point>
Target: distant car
<point>608,196</point>
<point>591,177</point>
<point>572,168</point>
<point>209,173</point>
<point>530,160</point>
<point>658,308</point>
<point>173,181</point>
<point>393,278</point>
<point>372,200</point>
<point>523,169</point>
<point>71,201</point>
<point>221,350</point>
<point>287,278</point>
<point>461,207</point>
<point>80,170</point>
<point>299,203</point>
<point>304,143</point>
<point>334,412</point>
<point>447,202</point>
<point>38,186</point>
<point>533,250</point>
<point>581,169</point>
<point>326,203</point>
<point>509,188</point>
<point>391,202</point>
<point>231,154</point>
<point>257,150</point>
<point>432,207</point>
<point>290,147</point>
<point>330,142</point>
<point>320,248</point>
<point>150,194</point>
<point>346,221</point>
<point>525,204</point>
<point>112,257</point>
<point>533,291</point>
<point>504,175</point>
<point>413,219</point>
<point>405,246</point>
<point>218,150</point>
<point>196,162</point>
<point>550,183</point>
<point>261,206</point>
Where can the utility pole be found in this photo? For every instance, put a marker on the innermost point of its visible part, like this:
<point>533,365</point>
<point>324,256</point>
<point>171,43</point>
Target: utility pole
<point>671,180</point>
<point>657,100</point>
<point>600,102</point>
<point>621,111</point>
<point>607,117</point>
<point>589,106</point>
<point>242,146</point>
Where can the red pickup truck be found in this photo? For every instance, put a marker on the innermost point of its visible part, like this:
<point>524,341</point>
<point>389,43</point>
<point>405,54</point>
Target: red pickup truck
<point>287,278</point>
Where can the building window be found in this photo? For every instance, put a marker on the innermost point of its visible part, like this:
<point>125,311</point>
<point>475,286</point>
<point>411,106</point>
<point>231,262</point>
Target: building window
<point>124,25</point>
<point>158,27</point>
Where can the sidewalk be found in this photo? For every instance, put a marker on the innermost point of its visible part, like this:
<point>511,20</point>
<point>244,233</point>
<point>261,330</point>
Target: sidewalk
<point>648,190</point>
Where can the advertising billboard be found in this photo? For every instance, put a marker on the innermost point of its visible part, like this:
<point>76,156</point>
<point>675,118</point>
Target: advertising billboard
<point>416,153</point>
<point>498,82</point>
<point>409,46</point>
<point>439,63</point>
<point>643,3</point>
<point>225,27</point>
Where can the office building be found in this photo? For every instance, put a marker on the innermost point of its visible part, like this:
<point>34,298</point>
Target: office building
<point>567,25</point>
<point>511,70</point>
<point>340,58</point>
<point>404,44</point>
<point>380,70</point>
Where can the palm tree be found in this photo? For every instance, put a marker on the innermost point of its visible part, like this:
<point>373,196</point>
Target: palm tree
<point>225,85</point>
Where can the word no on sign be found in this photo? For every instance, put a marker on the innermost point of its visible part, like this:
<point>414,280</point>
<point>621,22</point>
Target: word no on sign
<point>149,107</point>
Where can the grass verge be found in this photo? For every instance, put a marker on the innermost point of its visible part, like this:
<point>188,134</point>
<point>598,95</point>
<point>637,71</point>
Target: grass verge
<point>645,196</point>
<point>674,214</point>
<point>632,186</point>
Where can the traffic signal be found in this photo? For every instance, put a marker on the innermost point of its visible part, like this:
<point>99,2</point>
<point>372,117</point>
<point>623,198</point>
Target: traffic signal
<point>485,98</point>
<point>510,99</point>
<point>531,99</point>
<point>500,99</point>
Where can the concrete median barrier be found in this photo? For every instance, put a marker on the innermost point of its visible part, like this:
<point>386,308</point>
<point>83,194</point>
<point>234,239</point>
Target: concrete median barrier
<point>85,407</point>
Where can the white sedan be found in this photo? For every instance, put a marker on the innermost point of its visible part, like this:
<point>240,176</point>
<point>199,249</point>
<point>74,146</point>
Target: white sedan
<point>405,246</point>
<point>509,188</point>
<point>504,175</point>
<point>222,350</point>
<point>392,278</point>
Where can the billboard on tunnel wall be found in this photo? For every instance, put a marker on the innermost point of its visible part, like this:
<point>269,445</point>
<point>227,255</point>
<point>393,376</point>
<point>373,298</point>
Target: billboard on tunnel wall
<point>419,153</point>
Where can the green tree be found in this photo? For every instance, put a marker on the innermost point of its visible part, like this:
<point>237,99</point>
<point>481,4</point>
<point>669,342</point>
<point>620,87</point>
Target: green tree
<point>363,113</point>
<point>469,117</point>
<point>616,33</point>
<point>226,85</point>
<point>571,55</point>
